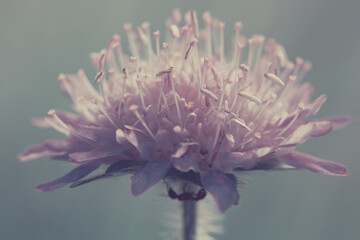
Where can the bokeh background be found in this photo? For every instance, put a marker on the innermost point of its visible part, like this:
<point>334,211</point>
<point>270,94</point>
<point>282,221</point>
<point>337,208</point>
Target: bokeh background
<point>41,38</point>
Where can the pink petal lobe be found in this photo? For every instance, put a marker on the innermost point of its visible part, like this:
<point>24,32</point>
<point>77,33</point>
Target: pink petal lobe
<point>321,128</point>
<point>340,121</point>
<point>305,161</point>
<point>187,162</point>
<point>96,153</point>
<point>148,176</point>
<point>221,187</point>
<point>228,161</point>
<point>72,176</point>
<point>33,152</point>
<point>300,135</point>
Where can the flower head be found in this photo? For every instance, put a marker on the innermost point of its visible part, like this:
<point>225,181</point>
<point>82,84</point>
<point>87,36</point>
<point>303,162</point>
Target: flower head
<point>185,111</point>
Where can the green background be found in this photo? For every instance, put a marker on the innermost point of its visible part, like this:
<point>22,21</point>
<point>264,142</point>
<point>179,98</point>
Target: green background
<point>40,39</point>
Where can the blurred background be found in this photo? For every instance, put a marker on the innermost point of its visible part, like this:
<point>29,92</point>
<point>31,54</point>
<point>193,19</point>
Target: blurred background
<point>40,39</point>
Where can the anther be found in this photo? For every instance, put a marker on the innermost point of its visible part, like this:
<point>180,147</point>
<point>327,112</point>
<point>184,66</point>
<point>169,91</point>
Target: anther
<point>244,68</point>
<point>250,97</point>
<point>257,135</point>
<point>209,94</point>
<point>99,76</point>
<point>272,77</point>
<point>174,30</point>
<point>177,129</point>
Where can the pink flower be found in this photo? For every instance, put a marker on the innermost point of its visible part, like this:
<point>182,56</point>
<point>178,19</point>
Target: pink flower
<point>186,112</point>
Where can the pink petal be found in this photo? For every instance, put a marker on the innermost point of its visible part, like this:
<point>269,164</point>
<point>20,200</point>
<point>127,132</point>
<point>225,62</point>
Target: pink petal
<point>305,161</point>
<point>72,176</point>
<point>96,153</point>
<point>228,161</point>
<point>300,135</point>
<point>148,176</point>
<point>340,121</point>
<point>33,152</point>
<point>164,138</point>
<point>59,147</point>
<point>321,128</point>
<point>221,187</point>
<point>183,148</point>
<point>129,148</point>
<point>104,136</point>
<point>115,169</point>
<point>187,162</point>
<point>316,105</point>
<point>123,164</point>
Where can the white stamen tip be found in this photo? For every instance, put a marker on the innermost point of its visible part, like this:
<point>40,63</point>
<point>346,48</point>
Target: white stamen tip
<point>207,18</point>
<point>244,68</point>
<point>51,112</point>
<point>273,96</point>
<point>250,97</point>
<point>275,79</point>
<point>62,77</point>
<point>257,135</point>
<point>127,27</point>
<point>238,26</point>
<point>145,26</point>
<point>177,16</point>
<point>221,116</point>
<point>174,30</point>
<point>307,66</point>
<point>301,106</point>
<point>291,78</point>
<point>134,108</point>
<point>177,129</point>
<point>116,37</point>
<point>209,94</point>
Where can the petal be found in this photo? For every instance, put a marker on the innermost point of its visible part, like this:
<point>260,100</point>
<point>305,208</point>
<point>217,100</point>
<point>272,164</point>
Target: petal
<point>187,162</point>
<point>271,164</point>
<point>96,153</point>
<point>33,152</point>
<point>77,86</point>
<point>60,147</point>
<point>98,135</point>
<point>122,165</point>
<point>321,128</point>
<point>316,105</point>
<point>300,135</point>
<point>148,176</point>
<point>305,161</point>
<point>72,176</point>
<point>164,138</point>
<point>190,176</point>
<point>129,148</point>
<point>340,121</point>
<point>115,169</point>
<point>185,147</point>
<point>221,187</point>
<point>227,161</point>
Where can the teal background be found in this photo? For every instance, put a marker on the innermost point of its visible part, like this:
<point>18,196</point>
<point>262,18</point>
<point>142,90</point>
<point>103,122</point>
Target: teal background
<point>40,39</point>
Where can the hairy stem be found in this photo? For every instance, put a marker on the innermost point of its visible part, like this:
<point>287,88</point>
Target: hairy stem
<point>189,219</point>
